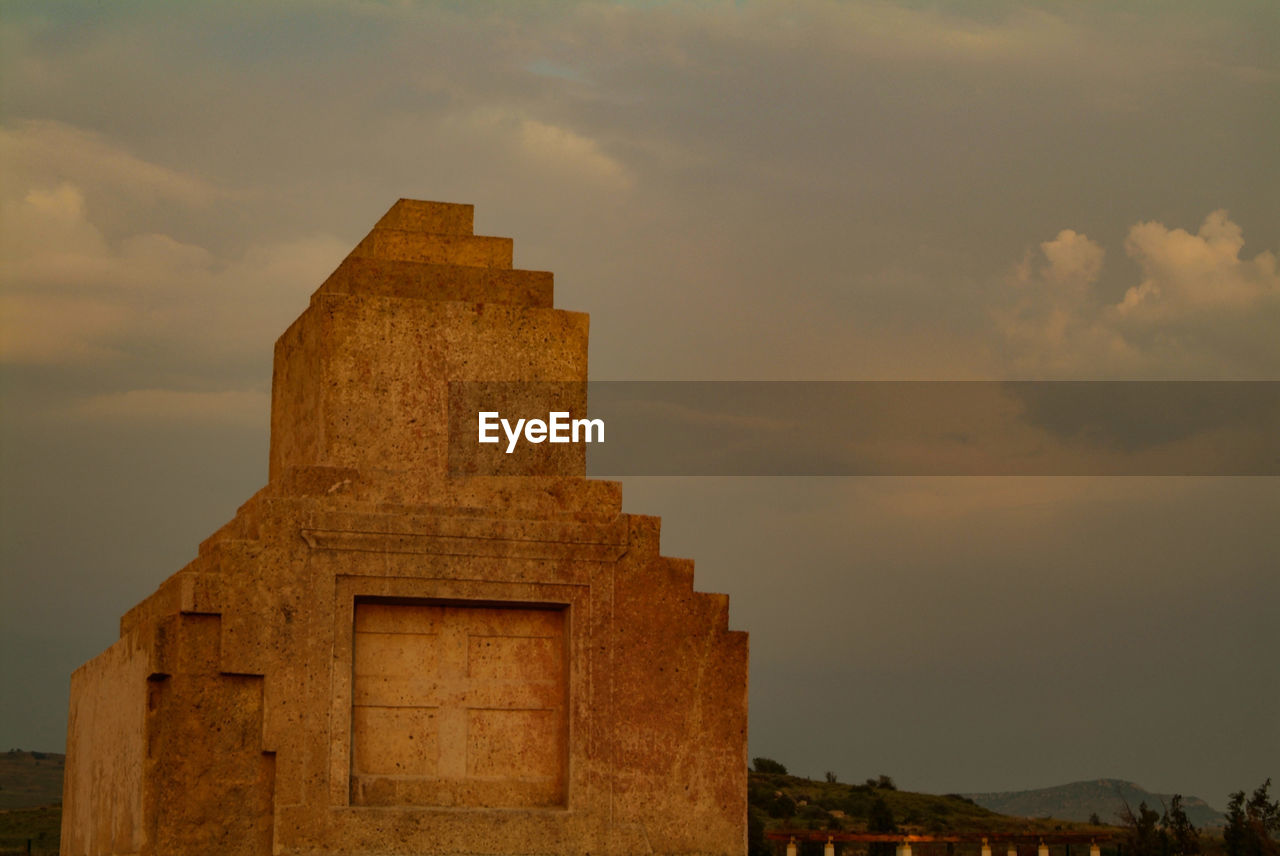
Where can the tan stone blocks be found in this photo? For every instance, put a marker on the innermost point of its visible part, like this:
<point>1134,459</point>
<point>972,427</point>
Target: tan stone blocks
<point>379,655</point>
<point>440,218</point>
<point>468,250</point>
<point>424,281</point>
<point>363,381</point>
<point>103,790</point>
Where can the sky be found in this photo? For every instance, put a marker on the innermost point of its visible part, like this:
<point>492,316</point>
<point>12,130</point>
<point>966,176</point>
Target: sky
<point>807,190</point>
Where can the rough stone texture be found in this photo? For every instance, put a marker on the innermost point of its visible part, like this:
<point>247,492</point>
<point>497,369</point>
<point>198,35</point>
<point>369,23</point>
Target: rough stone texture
<point>375,657</point>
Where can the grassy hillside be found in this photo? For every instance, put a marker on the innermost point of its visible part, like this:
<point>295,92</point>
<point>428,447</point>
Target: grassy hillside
<point>783,801</point>
<point>40,826</point>
<point>30,801</point>
<point>29,779</point>
<point>777,801</point>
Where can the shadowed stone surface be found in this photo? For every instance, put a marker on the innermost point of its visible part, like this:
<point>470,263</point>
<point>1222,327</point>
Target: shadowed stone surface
<point>374,657</point>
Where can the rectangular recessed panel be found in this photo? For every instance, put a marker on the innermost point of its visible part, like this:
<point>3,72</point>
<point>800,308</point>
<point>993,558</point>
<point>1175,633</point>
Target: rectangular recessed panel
<point>394,741</point>
<point>392,618</point>
<point>513,744</point>
<point>458,706</point>
<point>399,655</point>
<point>518,658</point>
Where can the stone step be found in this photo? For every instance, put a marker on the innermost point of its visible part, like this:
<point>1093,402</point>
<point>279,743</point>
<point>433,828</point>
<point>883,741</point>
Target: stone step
<point>715,607</point>
<point>427,281</point>
<point>711,607</point>
<point>437,218</point>
<point>409,246</point>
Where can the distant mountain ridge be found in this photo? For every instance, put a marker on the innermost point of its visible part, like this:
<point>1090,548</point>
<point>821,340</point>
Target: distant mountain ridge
<point>1104,797</point>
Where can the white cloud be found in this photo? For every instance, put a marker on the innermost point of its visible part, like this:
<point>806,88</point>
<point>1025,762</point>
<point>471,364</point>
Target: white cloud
<point>1046,317</point>
<point>48,215</point>
<point>75,296</point>
<point>1185,273</point>
<point>531,154</point>
<point>50,329</point>
<point>1200,311</point>
<point>564,150</point>
<point>1074,261</point>
<point>52,152</point>
<point>64,203</point>
<point>80,299</point>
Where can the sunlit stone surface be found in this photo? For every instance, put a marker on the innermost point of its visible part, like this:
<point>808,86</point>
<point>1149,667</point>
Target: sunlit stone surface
<point>377,657</point>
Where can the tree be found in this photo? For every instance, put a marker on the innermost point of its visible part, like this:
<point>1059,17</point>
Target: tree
<point>757,844</point>
<point>1251,825</point>
<point>880,819</point>
<point>1235,834</point>
<point>1183,838</point>
<point>1264,814</point>
<point>831,777</point>
<point>781,806</point>
<point>768,765</point>
<point>1145,836</point>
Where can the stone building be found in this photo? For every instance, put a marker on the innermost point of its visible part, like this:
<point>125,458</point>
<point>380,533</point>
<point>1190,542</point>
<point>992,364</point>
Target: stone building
<point>376,656</point>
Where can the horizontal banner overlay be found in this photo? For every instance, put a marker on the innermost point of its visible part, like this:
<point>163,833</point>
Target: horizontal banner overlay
<point>860,428</point>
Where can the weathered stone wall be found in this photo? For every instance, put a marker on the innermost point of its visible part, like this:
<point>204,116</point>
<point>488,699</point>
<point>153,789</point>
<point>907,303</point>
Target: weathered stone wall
<point>106,737</point>
<point>377,657</point>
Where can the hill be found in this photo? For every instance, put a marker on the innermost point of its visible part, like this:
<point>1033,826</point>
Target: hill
<point>1105,797</point>
<point>29,779</point>
<point>782,801</point>
<point>36,828</point>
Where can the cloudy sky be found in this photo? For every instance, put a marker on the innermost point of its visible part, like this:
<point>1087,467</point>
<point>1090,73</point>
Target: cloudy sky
<point>735,191</point>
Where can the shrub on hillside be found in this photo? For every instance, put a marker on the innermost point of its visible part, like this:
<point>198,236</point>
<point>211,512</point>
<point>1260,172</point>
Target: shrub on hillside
<point>768,765</point>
